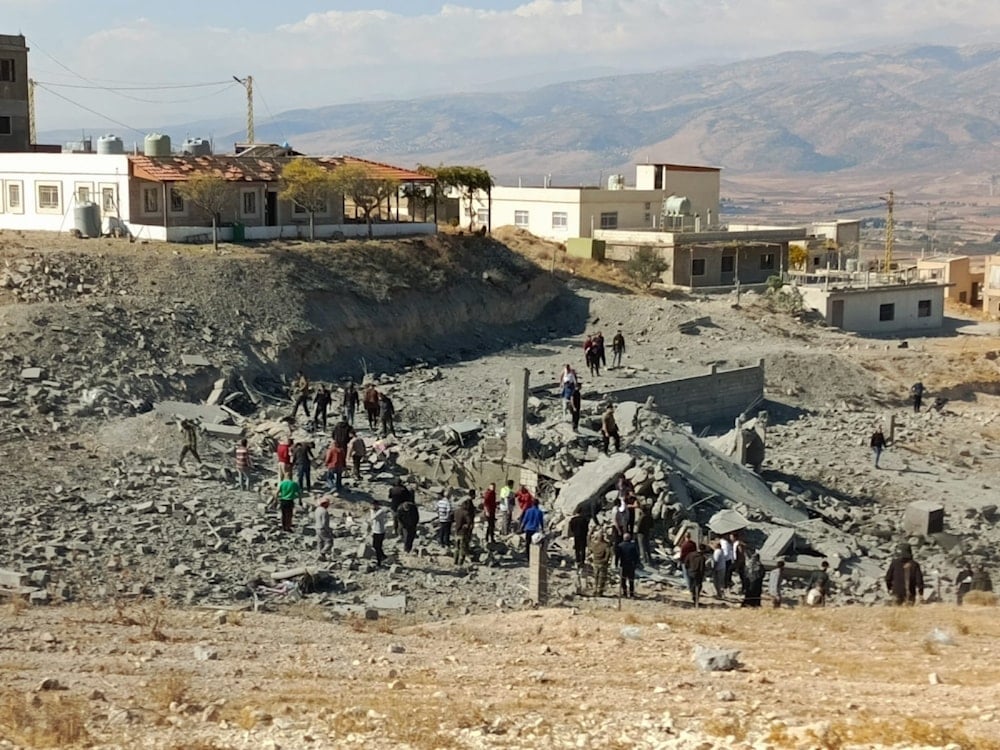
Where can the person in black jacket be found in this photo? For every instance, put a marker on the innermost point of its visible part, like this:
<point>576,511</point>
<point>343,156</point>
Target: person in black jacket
<point>877,443</point>
<point>904,579</point>
<point>321,401</point>
<point>408,517</point>
<point>579,525</point>
<point>628,558</point>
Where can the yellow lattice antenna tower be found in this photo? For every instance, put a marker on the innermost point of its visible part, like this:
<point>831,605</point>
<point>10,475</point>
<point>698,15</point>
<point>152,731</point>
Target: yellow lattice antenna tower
<point>247,83</point>
<point>889,227</point>
<point>32,138</point>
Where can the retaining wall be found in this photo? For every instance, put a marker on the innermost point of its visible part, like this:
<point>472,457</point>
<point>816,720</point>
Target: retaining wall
<point>716,397</point>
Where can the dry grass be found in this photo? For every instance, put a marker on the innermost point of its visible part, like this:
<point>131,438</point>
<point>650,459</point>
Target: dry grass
<point>169,688</point>
<point>907,732</point>
<point>727,726</point>
<point>149,616</point>
<point>43,722</point>
<point>980,599</point>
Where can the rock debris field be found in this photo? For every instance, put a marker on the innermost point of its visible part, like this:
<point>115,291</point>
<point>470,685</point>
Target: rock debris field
<point>161,605</point>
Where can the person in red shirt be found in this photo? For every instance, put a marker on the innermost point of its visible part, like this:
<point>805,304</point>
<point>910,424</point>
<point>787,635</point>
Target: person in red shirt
<point>285,458</point>
<point>524,500</point>
<point>336,462</point>
<point>490,511</point>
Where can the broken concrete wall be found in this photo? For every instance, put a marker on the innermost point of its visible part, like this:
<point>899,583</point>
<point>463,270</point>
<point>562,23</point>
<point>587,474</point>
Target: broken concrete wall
<point>715,397</point>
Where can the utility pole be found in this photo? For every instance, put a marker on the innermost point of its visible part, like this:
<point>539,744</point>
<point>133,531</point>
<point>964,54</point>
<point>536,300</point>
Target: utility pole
<point>247,83</point>
<point>889,203</point>
<point>32,138</point>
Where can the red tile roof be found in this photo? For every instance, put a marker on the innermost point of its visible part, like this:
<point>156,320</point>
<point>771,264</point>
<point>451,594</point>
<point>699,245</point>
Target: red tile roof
<point>252,168</point>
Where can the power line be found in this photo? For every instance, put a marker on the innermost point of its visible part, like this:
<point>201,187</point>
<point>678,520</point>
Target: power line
<point>220,86</point>
<point>151,87</point>
<point>270,114</point>
<point>88,109</point>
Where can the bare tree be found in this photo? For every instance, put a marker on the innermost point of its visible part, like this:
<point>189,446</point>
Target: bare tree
<point>211,193</point>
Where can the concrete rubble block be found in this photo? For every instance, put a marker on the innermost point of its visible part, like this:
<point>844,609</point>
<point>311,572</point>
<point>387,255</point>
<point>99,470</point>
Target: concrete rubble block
<point>12,579</point>
<point>184,410</point>
<point>727,521</point>
<point>716,659</point>
<point>195,360</point>
<point>222,430</point>
<point>218,389</point>
<point>457,432</point>
<point>394,602</point>
<point>517,415</point>
<point>627,416</point>
<point>923,517</point>
<point>590,483</point>
<point>777,544</point>
<point>31,373</point>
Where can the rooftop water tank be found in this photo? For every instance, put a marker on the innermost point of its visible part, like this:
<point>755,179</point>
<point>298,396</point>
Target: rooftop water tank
<point>83,146</point>
<point>156,144</point>
<point>110,144</point>
<point>616,182</point>
<point>677,205</point>
<point>87,219</point>
<point>196,147</point>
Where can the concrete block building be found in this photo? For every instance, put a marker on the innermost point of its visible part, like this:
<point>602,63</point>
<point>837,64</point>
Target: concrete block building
<point>15,125</point>
<point>887,308</point>
<point>991,287</point>
<point>964,285</point>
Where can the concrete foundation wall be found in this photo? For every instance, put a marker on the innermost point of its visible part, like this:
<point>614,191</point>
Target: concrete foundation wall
<point>296,231</point>
<point>716,397</point>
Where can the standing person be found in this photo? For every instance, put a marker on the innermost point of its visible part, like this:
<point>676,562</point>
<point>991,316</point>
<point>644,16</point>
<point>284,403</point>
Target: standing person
<point>284,454</point>
<point>726,544</point>
<point>775,582</point>
<point>351,400</point>
<point>301,390</point>
<point>575,407</point>
<point>244,464</point>
<point>190,429</point>
<point>609,430</point>
<point>917,391</point>
<point>600,557</point>
<point>285,496</point>
<point>408,517</point>
<point>754,587</point>
<point>490,512</point>
<point>695,564</point>
<point>341,433</point>
<point>302,458</point>
<point>336,462</point>
<point>387,415</point>
<point>628,555</point>
<point>321,403</point>
<point>579,525</point>
<point>904,579</point>
<point>592,357</point>
<point>356,451</point>
<point>506,507</point>
<point>324,536</point>
<point>617,350</point>
<point>877,443</point>
<point>739,559</point>
<point>377,520</point>
<point>963,583</point>
<point>532,522</point>
<point>566,395</point>
<point>619,527</point>
<point>819,586</point>
<point>599,349</point>
<point>465,519</point>
<point>644,534</point>
<point>398,494</point>
<point>686,547</point>
<point>445,517</point>
<point>371,402</point>
<point>718,568</point>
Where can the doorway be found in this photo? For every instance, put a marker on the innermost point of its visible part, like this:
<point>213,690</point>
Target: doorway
<point>837,313</point>
<point>271,209</point>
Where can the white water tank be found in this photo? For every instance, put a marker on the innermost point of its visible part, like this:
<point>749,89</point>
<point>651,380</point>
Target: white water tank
<point>110,144</point>
<point>196,147</point>
<point>156,144</point>
<point>616,182</point>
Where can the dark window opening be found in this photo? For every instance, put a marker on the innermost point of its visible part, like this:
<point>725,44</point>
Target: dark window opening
<point>698,267</point>
<point>923,308</point>
<point>767,261</point>
<point>7,71</point>
<point>728,263</point>
<point>887,312</point>
<point>6,128</point>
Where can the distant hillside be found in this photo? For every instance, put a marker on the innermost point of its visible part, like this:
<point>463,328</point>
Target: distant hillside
<point>922,108</point>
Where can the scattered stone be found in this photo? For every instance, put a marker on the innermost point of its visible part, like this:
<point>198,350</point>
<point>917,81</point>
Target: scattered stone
<point>715,660</point>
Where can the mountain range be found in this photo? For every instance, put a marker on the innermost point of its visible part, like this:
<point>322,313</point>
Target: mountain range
<point>927,108</point>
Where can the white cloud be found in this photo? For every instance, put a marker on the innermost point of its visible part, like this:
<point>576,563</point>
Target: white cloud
<point>341,55</point>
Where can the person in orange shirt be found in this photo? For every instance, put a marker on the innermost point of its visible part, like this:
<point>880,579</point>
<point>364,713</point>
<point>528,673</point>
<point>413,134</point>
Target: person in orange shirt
<point>336,462</point>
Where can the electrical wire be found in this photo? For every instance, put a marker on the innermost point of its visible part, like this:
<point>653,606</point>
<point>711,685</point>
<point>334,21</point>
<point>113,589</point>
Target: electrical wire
<point>274,120</point>
<point>220,87</point>
<point>152,87</point>
<point>88,109</point>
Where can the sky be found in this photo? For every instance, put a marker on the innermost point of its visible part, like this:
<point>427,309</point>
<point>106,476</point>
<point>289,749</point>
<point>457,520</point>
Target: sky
<point>305,54</point>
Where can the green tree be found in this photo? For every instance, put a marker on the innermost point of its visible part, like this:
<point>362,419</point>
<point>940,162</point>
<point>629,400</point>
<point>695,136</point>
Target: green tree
<point>466,180</point>
<point>211,193</point>
<point>365,190</point>
<point>307,184</point>
<point>646,266</point>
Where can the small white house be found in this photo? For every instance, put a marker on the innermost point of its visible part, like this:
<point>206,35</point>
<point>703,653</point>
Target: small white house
<point>878,309</point>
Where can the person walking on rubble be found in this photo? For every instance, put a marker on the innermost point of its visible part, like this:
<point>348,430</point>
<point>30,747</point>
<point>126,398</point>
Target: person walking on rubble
<point>490,512</point>
<point>284,454</point>
<point>244,465</point>
<point>445,518</point>
<point>351,400</point>
<point>579,525</point>
<point>321,403</point>
<point>600,558</point>
<point>775,583</point>
<point>387,415</point>
<point>356,452</point>
<point>408,517</point>
<point>371,404</point>
<point>599,349</point>
<point>465,519</point>
<point>376,520</point>
<point>301,390</point>
<point>904,580</point>
<point>324,535</point>
<point>302,459</point>
<point>877,443</point>
<point>575,407</point>
<point>628,556</point>
<point>644,533</point>
<point>609,431</point>
<point>917,392</point>
<point>532,522</point>
<point>506,507</point>
<point>617,350</point>
<point>819,586</point>
<point>336,462</point>
<point>695,565</point>
<point>754,575</point>
<point>285,497</point>
<point>190,429</point>
<point>341,433</point>
<point>398,494</point>
<point>719,563</point>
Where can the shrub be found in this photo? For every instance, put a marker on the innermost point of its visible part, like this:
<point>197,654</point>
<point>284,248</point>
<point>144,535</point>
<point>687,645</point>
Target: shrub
<point>646,266</point>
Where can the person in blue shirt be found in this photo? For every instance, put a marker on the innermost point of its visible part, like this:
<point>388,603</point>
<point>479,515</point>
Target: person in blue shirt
<point>532,521</point>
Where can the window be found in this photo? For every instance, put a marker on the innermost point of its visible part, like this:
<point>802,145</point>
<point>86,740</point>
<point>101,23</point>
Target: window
<point>483,216</point>
<point>887,312</point>
<point>609,220</point>
<point>176,201</point>
<point>151,200</point>
<point>107,199</point>
<point>48,197</point>
<point>647,205</point>
<point>249,202</point>
<point>560,220</point>
<point>767,261</point>
<point>14,202</point>
<point>298,209</point>
<point>728,263</point>
<point>5,126</point>
<point>83,191</point>
<point>520,218</point>
<point>923,308</point>
<point>7,71</point>
<point>697,266</point>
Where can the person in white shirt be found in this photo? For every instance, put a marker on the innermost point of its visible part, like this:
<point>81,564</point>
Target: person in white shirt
<point>377,520</point>
<point>730,555</point>
<point>718,568</point>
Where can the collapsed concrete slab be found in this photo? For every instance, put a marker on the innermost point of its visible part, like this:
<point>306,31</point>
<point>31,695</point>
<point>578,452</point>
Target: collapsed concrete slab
<point>589,484</point>
<point>727,521</point>
<point>195,360</point>
<point>923,517</point>
<point>184,410</point>
<point>711,473</point>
